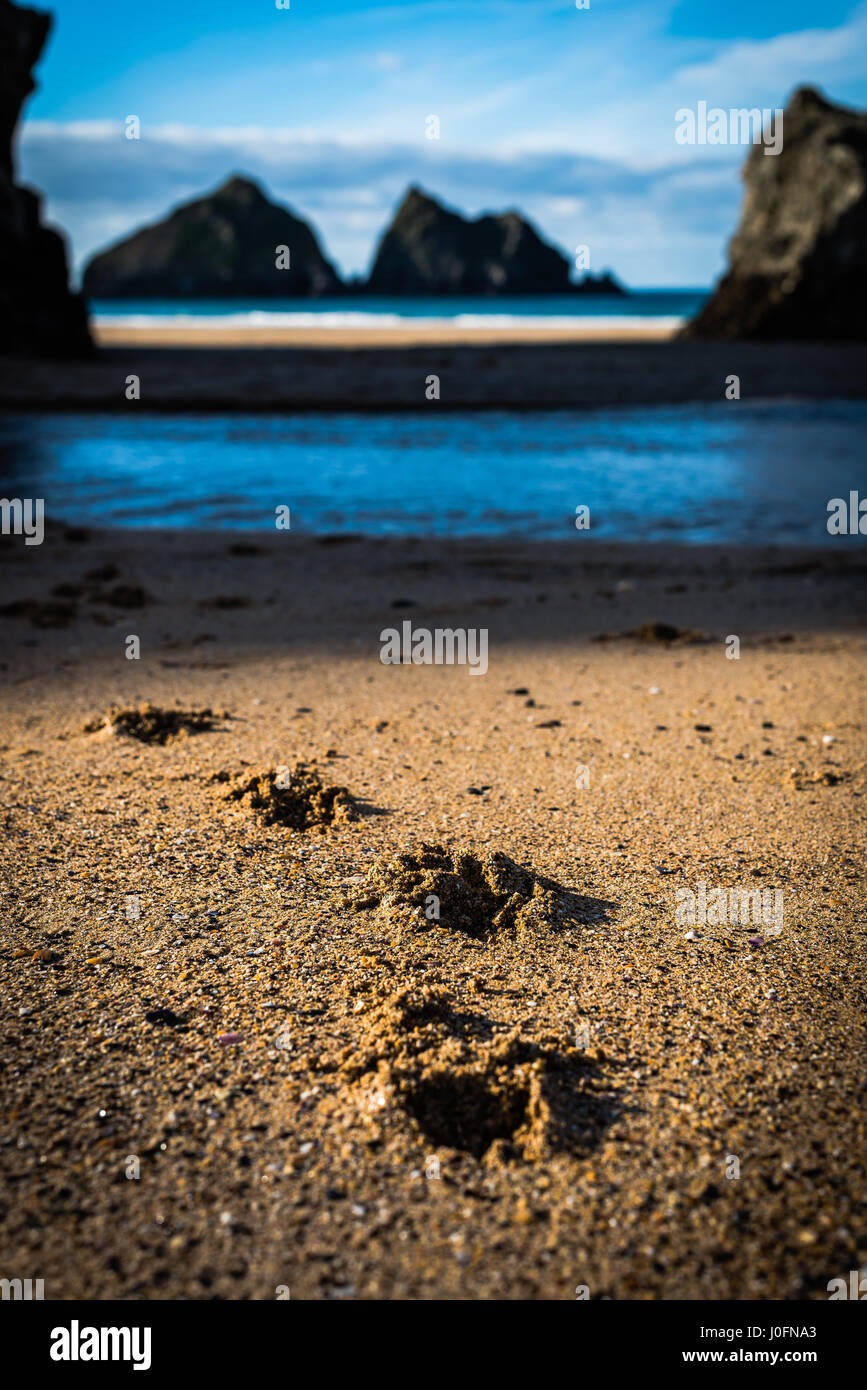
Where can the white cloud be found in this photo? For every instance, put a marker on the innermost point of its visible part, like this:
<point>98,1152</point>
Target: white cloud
<point>751,67</point>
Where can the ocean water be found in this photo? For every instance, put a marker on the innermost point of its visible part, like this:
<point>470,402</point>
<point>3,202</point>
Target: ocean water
<point>666,308</point>
<point>734,472</point>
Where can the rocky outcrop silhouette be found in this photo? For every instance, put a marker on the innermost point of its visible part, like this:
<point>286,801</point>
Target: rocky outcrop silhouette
<point>598,284</point>
<point>38,314</point>
<point>225,245</point>
<point>429,249</point>
<point>798,260</point>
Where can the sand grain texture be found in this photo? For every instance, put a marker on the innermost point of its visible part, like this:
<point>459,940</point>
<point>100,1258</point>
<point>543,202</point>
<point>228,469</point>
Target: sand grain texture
<point>313,1097</point>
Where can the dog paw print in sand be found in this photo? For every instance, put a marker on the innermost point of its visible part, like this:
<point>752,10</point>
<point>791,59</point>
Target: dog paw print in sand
<point>41,614</point>
<point>800,781</point>
<point>480,896</point>
<point>656,632</point>
<point>453,1079</point>
<point>62,607</point>
<point>150,724</point>
<point>296,798</point>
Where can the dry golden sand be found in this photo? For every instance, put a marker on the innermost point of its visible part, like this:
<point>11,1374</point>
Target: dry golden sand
<point>580,1080</point>
<point>416,335</point>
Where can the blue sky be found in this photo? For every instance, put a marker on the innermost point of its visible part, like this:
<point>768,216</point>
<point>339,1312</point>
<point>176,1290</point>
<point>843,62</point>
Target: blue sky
<point>567,114</point>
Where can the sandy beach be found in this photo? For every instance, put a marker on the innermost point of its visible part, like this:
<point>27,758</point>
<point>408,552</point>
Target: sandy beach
<point>420,334</point>
<point>433,678</point>
<point>232,1067</point>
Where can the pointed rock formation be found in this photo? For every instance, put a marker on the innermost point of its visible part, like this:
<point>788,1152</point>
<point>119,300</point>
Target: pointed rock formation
<point>598,284</point>
<point>798,261</point>
<point>428,249</point>
<point>38,315</point>
<point>224,245</point>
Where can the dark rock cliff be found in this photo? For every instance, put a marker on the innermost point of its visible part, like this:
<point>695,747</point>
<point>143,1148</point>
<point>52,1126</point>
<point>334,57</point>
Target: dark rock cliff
<point>221,246</point>
<point>429,249</point>
<point>38,315</point>
<point>798,260</point>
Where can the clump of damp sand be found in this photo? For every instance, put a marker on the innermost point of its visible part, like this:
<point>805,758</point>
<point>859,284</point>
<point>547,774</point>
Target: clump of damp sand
<point>150,724</point>
<point>296,798</point>
<point>480,896</point>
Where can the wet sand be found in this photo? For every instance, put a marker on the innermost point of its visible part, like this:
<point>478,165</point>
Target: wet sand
<point>501,375</point>
<point>356,1102</point>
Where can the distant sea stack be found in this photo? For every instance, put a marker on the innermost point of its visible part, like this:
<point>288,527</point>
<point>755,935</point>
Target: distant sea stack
<point>431,250</point>
<point>798,261</point>
<point>598,284</point>
<point>38,315</point>
<point>222,246</point>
